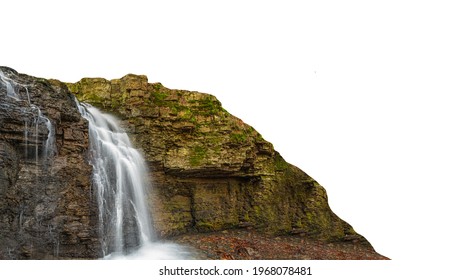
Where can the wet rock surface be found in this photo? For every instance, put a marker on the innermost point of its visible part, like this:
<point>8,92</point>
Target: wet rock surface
<point>46,205</point>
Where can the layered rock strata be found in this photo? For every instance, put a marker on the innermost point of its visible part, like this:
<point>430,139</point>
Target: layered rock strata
<point>209,170</point>
<point>47,206</point>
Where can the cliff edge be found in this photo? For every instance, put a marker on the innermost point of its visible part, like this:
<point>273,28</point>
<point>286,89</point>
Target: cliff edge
<point>210,171</point>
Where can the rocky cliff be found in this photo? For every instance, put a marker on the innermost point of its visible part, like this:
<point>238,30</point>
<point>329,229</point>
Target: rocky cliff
<point>45,206</point>
<point>209,171</point>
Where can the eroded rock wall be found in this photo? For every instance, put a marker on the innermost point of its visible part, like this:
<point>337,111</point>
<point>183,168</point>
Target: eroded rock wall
<point>209,170</point>
<point>47,205</point>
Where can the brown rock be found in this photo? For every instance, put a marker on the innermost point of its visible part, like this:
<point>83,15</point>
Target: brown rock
<point>42,196</point>
<point>211,171</point>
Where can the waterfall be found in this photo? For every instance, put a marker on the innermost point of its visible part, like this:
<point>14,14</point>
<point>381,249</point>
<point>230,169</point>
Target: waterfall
<point>120,181</point>
<point>10,90</point>
<point>18,98</point>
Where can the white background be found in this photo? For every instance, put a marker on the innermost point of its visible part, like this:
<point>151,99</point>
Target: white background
<point>370,98</point>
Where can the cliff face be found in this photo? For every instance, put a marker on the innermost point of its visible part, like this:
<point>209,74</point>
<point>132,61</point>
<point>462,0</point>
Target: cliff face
<point>209,170</point>
<point>45,185</point>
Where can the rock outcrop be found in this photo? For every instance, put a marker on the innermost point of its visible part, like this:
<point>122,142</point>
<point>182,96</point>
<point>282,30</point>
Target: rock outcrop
<point>46,205</point>
<point>209,170</point>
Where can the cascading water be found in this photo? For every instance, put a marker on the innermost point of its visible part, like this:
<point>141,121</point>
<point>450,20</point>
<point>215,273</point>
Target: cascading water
<point>10,90</point>
<point>119,176</point>
<point>19,99</point>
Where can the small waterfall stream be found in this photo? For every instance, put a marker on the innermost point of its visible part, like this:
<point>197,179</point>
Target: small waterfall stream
<point>120,179</point>
<point>10,90</point>
<point>19,98</point>
<point>22,109</point>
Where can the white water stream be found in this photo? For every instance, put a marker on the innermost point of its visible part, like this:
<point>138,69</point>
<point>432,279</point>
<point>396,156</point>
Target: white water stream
<point>10,90</point>
<point>33,118</point>
<point>120,179</point>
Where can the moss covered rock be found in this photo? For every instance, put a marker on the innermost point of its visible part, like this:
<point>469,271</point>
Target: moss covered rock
<point>209,170</point>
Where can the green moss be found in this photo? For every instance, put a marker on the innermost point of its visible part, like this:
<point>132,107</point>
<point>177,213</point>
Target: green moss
<point>187,114</point>
<point>115,103</point>
<point>158,95</point>
<point>92,99</point>
<point>238,138</point>
<point>279,163</point>
<point>246,218</point>
<point>265,215</point>
<point>197,155</point>
<point>174,110</point>
<point>258,212</point>
<point>73,87</point>
<point>217,150</point>
<point>311,219</point>
<point>208,106</point>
